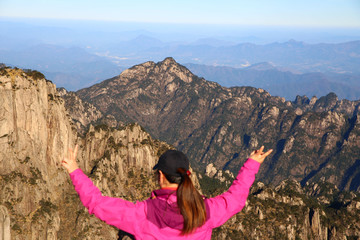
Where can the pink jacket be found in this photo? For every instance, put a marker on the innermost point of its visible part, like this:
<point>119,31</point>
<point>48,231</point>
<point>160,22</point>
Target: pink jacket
<point>159,217</point>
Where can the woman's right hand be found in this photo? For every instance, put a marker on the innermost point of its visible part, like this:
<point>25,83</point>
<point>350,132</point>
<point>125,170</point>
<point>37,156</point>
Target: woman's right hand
<point>259,155</point>
<point>70,162</point>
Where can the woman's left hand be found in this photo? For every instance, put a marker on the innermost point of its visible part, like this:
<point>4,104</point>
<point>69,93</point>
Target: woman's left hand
<point>259,155</point>
<point>70,162</point>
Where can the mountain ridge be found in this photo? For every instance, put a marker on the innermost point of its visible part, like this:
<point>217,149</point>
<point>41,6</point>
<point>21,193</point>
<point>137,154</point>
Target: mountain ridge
<point>281,82</point>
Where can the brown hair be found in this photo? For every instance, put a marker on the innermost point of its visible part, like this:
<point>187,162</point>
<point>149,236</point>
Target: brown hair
<point>189,201</point>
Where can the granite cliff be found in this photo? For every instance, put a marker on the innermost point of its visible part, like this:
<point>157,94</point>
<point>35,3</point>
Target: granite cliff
<point>34,135</point>
<point>37,200</point>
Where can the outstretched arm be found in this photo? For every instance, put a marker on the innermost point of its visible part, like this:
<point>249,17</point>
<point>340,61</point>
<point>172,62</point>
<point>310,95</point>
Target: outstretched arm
<point>224,206</point>
<point>114,211</point>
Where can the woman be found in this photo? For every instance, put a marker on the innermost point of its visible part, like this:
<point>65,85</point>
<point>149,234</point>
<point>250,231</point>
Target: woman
<point>176,210</point>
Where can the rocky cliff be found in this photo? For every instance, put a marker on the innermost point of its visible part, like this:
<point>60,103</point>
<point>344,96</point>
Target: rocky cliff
<point>37,200</point>
<point>34,134</point>
<point>312,138</point>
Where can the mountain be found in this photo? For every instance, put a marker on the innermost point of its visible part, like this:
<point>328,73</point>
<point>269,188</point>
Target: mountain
<point>281,82</point>
<point>37,200</point>
<point>297,56</point>
<point>212,42</point>
<point>263,66</point>
<point>312,138</point>
<point>141,42</point>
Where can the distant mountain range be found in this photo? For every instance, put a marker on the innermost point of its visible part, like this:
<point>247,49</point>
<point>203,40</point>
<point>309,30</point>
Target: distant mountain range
<point>281,82</point>
<point>74,68</point>
<point>81,58</point>
<point>293,55</point>
<point>69,67</point>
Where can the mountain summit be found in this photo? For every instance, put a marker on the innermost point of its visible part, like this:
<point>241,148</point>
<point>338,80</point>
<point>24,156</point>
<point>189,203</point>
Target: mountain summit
<point>157,79</point>
<point>153,94</point>
<point>169,68</point>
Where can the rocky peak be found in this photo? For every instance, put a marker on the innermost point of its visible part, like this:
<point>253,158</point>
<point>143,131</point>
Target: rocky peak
<point>301,100</point>
<point>163,72</point>
<point>147,82</point>
<point>173,70</point>
<point>62,91</point>
<point>168,61</point>
<point>326,103</point>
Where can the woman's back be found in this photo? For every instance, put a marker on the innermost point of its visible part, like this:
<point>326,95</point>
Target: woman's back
<point>159,217</point>
<point>168,213</point>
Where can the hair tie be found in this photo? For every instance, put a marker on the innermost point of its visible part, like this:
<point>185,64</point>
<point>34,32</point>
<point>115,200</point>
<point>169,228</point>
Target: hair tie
<point>185,173</point>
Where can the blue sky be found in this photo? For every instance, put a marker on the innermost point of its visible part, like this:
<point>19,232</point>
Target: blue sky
<point>308,13</point>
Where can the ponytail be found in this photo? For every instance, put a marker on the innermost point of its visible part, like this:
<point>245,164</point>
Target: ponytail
<point>189,201</point>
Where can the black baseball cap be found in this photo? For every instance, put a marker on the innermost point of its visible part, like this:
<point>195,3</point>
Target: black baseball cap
<point>170,161</point>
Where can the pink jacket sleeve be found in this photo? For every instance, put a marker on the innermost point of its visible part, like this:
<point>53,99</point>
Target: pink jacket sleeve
<point>224,206</point>
<point>114,211</point>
